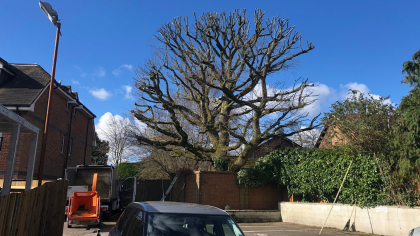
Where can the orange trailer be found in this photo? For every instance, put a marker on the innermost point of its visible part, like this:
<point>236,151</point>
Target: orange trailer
<point>84,207</point>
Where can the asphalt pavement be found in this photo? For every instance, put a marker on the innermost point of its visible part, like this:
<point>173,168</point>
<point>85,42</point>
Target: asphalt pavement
<point>288,229</point>
<point>249,229</point>
<point>106,226</point>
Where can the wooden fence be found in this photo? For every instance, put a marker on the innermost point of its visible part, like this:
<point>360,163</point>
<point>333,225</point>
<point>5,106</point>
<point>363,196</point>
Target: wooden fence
<point>151,190</point>
<point>39,211</point>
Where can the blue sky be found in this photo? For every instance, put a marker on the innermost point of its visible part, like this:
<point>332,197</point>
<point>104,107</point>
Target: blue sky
<point>358,44</point>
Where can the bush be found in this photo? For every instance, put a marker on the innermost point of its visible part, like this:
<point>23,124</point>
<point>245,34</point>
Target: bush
<point>318,173</point>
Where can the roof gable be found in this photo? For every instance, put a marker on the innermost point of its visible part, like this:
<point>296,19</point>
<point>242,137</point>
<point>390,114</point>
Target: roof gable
<point>23,88</point>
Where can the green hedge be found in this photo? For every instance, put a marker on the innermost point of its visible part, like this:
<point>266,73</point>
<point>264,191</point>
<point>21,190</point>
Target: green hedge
<point>317,174</point>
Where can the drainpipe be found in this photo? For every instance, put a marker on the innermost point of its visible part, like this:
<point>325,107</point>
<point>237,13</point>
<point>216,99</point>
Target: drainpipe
<point>17,110</point>
<point>87,134</point>
<point>66,157</point>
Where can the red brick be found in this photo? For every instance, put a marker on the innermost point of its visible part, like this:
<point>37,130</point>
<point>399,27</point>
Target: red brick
<point>54,160</point>
<point>220,189</point>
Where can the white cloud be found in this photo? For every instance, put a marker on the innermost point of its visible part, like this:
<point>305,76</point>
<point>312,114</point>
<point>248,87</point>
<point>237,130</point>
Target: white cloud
<point>100,94</point>
<point>118,72</point>
<point>100,72</point>
<point>128,94</point>
<point>324,95</point>
<point>103,124</point>
<point>363,88</point>
<point>82,73</point>
<point>344,93</point>
<point>75,82</point>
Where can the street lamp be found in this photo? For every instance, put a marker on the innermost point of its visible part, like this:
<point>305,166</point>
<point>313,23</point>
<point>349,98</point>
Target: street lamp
<point>49,11</point>
<point>53,16</point>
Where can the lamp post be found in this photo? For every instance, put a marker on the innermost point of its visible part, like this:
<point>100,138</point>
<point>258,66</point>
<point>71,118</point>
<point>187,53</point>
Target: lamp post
<point>53,16</point>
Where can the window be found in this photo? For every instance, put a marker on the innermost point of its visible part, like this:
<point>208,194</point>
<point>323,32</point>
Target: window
<point>74,111</point>
<point>70,146</point>
<point>67,106</point>
<point>135,226</point>
<point>62,144</point>
<point>168,224</point>
<point>129,211</point>
<point>230,228</point>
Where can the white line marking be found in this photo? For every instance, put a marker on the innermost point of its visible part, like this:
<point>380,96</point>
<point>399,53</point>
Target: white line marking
<point>272,230</point>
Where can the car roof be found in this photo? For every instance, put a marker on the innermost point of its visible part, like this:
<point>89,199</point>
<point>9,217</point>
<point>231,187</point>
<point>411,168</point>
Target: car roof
<point>178,207</point>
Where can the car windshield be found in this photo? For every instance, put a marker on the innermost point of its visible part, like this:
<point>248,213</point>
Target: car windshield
<point>165,224</point>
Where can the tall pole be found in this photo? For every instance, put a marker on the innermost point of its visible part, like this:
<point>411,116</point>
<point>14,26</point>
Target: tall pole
<point>44,138</point>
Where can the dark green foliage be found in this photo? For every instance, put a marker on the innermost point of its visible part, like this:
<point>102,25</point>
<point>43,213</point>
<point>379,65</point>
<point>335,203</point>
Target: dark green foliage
<point>221,164</point>
<point>405,149</point>
<point>412,68</point>
<point>408,126</point>
<point>128,169</point>
<point>391,135</point>
<point>316,174</point>
<point>99,152</point>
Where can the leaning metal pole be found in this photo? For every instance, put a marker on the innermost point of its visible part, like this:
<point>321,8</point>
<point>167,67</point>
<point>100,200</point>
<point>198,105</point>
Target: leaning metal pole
<point>44,137</point>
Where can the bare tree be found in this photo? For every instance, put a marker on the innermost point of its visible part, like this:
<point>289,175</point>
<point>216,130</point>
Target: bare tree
<point>118,132</point>
<point>213,77</point>
<point>161,164</point>
<point>307,138</point>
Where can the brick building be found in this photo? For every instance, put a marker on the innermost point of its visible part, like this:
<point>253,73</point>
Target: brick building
<point>24,90</point>
<point>329,138</point>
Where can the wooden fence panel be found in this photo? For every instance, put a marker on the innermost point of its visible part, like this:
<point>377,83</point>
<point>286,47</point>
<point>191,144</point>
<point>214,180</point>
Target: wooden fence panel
<point>57,199</point>
<point>8,209</point>
<point>29,204</point>
<point>151,190</point>
<point>20,226</point>
<point>3,209</point>
<point>39,211</point>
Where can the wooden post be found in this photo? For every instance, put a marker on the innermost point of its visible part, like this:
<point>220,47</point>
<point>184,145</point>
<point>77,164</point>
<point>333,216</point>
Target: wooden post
<point>336,197</point>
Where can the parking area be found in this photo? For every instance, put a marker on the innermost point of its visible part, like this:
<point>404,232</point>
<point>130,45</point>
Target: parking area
<point>249,229</point>
<point>288,229</point>
<point>91,231</point>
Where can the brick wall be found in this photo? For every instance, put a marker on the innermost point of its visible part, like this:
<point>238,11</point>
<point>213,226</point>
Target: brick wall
<point>219,188</point>
<point>59,125</point>
<point>266,197</point>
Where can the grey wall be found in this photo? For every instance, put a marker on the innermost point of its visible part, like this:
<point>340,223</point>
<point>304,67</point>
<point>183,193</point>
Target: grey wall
<point>385,220</point>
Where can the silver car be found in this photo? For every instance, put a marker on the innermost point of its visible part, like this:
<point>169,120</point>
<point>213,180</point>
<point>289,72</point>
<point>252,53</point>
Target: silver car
<point>415,232</point>
<point>174,219</point>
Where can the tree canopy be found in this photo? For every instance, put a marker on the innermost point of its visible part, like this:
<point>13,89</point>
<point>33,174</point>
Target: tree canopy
<point>392,135</point>
<point>211,88</point>
<point>361,121</point>
<point>128,169</point>
<point>412,68</point>
<point>100,152</point>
